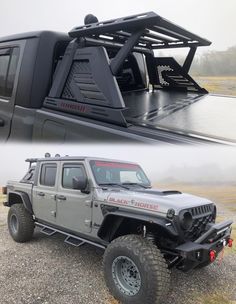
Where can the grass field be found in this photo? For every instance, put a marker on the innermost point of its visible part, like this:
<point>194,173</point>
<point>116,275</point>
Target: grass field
<point>2,197</point>
<point>218,85</point>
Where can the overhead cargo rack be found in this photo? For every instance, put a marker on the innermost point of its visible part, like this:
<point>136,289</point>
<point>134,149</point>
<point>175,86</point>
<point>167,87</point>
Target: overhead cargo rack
<point>102,77</point>
<point>155,32</point>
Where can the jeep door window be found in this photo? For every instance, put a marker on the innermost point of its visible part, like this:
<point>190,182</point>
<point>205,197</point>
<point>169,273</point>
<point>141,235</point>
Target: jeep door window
<point>48,175</point>
<point>118,173</point>
<point>69,172</point>
<point>8,65</point>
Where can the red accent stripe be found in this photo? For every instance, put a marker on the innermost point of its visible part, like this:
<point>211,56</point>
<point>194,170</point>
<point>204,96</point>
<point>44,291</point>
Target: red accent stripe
<point>116,165</point>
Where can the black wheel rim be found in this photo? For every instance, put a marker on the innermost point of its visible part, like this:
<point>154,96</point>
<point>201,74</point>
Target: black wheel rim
<point>126,276</point>
<point>14,223</point>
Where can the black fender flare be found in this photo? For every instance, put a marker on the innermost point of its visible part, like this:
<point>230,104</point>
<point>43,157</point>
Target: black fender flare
<point>144,218</point>
<point>15,197</point>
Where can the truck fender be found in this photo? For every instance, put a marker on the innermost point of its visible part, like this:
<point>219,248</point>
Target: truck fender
<point>119,216</point>
<point>17,197</point>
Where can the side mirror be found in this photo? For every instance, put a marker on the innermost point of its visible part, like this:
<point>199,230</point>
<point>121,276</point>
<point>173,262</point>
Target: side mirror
<point>80,183</point>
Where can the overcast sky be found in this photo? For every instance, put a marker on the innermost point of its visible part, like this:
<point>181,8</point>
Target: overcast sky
<point>180,164</point>
<point>213,19</point>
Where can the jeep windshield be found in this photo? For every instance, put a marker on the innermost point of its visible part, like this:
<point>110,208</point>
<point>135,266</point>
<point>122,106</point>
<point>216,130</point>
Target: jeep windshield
<point>119,174</point>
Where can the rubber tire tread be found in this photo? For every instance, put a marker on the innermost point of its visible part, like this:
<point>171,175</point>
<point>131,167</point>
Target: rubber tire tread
<point>153,269</point>
<point>25,223</point>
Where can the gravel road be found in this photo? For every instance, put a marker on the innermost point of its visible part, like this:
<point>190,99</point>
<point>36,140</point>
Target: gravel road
<point>47,271</point>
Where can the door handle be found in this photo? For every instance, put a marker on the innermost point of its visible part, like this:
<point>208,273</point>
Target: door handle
<point>41,194</point>
<point>2,122</point>
<point>60,197</point>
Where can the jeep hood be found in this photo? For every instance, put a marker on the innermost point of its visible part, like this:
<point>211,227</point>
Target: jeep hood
<point>153,200</point>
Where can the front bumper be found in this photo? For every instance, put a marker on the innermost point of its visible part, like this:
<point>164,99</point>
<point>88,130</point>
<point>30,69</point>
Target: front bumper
<point>197,253</point>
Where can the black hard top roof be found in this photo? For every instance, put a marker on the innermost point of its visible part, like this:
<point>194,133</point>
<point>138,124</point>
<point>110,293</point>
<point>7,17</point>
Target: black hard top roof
<point>158,32</point>
<point>36,34</point>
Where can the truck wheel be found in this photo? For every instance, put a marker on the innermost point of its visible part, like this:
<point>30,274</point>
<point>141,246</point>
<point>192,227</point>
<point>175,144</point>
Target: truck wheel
<point>20,223</point>
<point>135,271</point>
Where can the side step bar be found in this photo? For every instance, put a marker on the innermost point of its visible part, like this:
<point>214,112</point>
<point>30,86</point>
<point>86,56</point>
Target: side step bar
<point>70,239</point>
<point>74,241</point>
<point>48,231</point>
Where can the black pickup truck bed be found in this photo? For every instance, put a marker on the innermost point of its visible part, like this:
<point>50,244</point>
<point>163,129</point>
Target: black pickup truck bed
<point>148,108</point>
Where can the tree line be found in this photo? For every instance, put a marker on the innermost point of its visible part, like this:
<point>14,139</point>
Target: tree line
<point>215,63</point>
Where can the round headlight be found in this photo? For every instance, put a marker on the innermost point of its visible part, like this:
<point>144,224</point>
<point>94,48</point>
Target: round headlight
<point>186,220</point>
<point>170,214</point>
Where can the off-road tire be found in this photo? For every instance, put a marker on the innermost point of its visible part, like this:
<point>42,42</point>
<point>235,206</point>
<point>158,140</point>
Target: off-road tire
<point>20,223</point>
<point>152,267</point>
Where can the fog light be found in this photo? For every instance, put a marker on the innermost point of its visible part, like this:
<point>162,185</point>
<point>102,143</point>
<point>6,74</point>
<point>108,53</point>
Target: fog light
<point>230,243</point>
<point>212,255</point>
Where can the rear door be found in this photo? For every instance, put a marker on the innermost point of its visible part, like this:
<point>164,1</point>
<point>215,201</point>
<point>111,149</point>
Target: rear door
<point>10,58</point>
<point>44,192</point>
<point>74,208</point>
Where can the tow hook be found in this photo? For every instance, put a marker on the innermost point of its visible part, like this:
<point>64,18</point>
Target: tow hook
<point>230,243</point>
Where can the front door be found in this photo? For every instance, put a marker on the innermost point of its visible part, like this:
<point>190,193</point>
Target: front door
<point>44,193</point>
<point>74,209</point>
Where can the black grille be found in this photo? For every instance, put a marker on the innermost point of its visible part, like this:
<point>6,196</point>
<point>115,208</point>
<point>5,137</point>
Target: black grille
<point>201,210</point>
<point>201,217</point>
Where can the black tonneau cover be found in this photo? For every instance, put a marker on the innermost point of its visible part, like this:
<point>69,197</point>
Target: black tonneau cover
<point>148,108</point>
<point>212,117</point>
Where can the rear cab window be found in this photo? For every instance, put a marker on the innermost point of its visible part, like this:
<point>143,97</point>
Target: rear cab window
<point>9,58</point>
<point>59,52</point>
<point>133,74</point>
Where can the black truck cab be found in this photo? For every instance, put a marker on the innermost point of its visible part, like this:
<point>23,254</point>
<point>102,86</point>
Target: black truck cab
<point>27,64</point>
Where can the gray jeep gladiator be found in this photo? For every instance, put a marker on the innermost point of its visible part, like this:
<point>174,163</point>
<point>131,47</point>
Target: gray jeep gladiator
<point>106,81</point>
<point>111,204</point>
